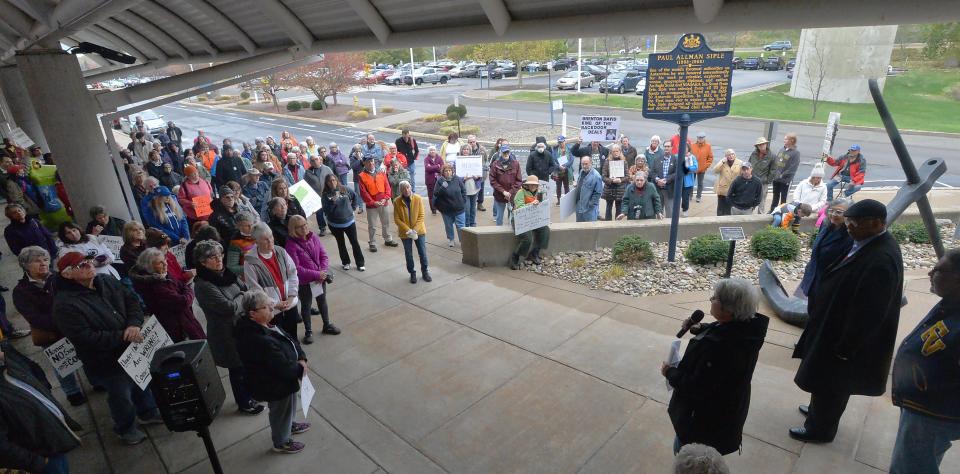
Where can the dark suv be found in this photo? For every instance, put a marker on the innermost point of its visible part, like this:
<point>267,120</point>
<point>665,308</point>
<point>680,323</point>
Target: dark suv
<point>751,63</point>
<point>563,64</point>
<point>773,64</point>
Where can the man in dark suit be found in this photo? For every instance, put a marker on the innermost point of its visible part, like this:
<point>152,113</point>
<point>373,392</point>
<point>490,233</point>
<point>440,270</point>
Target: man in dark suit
<point>847,346</point>
<point>664,173</point>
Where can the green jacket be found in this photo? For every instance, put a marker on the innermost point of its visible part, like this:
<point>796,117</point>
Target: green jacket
<point>641,206</point>
<point>763,168</point>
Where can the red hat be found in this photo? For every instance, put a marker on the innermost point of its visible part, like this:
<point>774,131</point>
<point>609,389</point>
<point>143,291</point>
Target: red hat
<point>70,259</point>
<point>14,169</point>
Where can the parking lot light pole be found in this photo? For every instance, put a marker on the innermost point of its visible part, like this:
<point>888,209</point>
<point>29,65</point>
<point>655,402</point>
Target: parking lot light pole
<point>579,61</point>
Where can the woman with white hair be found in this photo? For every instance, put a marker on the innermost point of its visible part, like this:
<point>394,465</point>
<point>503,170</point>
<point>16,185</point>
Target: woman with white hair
<point>711,384</point>
<point>170,299</point>
<point>269,268</point>
<point>653,152</point>
<point>696,458</point>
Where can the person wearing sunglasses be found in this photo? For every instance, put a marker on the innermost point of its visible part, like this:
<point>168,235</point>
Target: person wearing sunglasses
<point>832,241</point>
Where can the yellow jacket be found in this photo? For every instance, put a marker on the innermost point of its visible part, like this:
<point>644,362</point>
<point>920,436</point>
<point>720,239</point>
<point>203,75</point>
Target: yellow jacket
<point>409,219</point>
<point>725,175</point>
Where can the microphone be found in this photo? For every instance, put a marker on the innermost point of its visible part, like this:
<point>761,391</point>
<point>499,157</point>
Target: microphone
<point>694,318</point>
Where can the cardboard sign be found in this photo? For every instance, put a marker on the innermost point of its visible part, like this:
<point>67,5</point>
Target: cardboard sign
<point>469,166</point>
<point>136,359</point>
<point>113,243</point>
<point>616,168</point>
<point>63,357</point>
<point>691,79</point>
<point>308,198</point>
<point>201,205</point>
<point>599,128</point>
<point>180,251</point>
<point>833,125</point>
<point>531,217</point>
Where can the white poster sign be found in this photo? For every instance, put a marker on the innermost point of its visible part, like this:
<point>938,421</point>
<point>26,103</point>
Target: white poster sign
<point>833,124</point>
<point>558,104</point>
<point>113,243</point>
<point>63,357</point>
<point>306,394</point>
<point>530,217</point>
<point>568,205</point>
<point>180,251</point>
<point>469,166</point>
<point>599,128</point>
<point>616,168</point>
<point>136,359</point>
<point>21,138</point>
<point>309,199</point>
<point>673,358</point>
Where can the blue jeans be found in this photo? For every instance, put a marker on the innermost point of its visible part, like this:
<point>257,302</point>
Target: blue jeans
<point>127,401</point>
<point>848,190</point>
<point>589,216</point>
<point>482,189</point>
<point>921,443</point>
<point>499,209</point>
<point>448,222</point>
<point>342,177</point>
<point>69,384</point>
<point>470,218</point>
<point>421,242</point>
<point>57,465</point>
<point>412,169</point>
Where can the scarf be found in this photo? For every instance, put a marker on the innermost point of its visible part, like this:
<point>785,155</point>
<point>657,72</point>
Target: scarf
<point>221,279</point>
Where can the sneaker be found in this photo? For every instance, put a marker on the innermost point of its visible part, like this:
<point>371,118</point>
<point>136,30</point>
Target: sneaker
<point>362,268</point>
<point>77,399</point>
<point>308,337</point>
<point>252,409</point>
<point>450,243</point>
<point>18,333</point>
<point>330,329</point>
<point>373,248</point>
<point>391,243</point>
<point>346,267</point>
<point>297,428</point>
<point>684,214</point>
<point>314,311</point>
<point>134,437</point>
<point>156,420</point>
<point>698,199</point>
<point>426,277</point>
<point>413,278</point>
<point>322,232</point>
<point>482,209</point>
<point>290,447</point>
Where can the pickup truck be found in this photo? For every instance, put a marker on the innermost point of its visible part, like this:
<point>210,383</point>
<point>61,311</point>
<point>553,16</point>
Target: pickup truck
<point>427,74</point>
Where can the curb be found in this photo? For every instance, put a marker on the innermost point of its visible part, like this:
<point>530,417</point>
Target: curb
<point>274,114</point>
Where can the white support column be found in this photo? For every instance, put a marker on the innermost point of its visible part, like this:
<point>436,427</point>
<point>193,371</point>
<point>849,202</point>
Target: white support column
<point>21,109</point>
<point>68,115</point>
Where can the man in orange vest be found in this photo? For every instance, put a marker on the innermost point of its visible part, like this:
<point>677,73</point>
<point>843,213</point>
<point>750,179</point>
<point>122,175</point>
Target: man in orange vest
<point>704,153</point>
<point>375,191</point>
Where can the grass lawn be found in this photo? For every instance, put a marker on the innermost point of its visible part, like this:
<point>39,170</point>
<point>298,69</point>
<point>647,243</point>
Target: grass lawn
<point>919,100</point>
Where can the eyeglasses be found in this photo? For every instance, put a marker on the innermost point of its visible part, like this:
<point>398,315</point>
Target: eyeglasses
<point>836,212</point>
<point>218,256</point>
<point>83,264</point>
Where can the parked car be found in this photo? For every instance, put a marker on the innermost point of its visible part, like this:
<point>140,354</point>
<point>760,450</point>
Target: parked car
<point>490,73</point>
<point>642,85</point>
<point>635,50</point>
<point>396,78</point>
<point>570,80</point>
<point>778,46</point>
<point>791,63</point>
<point>599,72</point>
<point>381,75</point>
<point>774,63</point>
<point>737,62</point>
<point>563,64</point>
<point>152,121</point>
<point>426,74</point>
<point>471,70</point>
<point>535,66</point>
<point>620,82</point>
<point>751,63</point>
<point>509,70</point>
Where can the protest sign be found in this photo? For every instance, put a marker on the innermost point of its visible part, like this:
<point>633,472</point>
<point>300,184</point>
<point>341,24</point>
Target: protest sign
<point>307,391</point>
<point>598,128</point>
<point>469,166</point>
<point>530,217</point>
<point>201,205</point>
<point>309,199</point>
<point>63,357</point>
<point>568,205</point>
<point>830,135</point>
<point>113,243</point>
<point>616,168</point>
<point>136,359</point>
<point>180,251</point>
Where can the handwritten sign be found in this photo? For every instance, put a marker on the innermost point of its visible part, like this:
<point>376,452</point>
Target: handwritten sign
<point>692,79</point>
<point>201,205</point>
<point>469,166</point>
<point>732,233</point>
<point>833,125</point>
<point>63,357</point>
<point>180,251</point>
<point>113,243</point>
<point>308,198</point>
<point>616,168</point>
<point>598,128</point>
<point>531,217</point>
<point>568,205</point>
<point>135,360</point>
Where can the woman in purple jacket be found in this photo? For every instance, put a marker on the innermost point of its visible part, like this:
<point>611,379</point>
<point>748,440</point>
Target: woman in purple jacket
<point>170,299</point>
<point>431,169</point>
<point>313,268</point>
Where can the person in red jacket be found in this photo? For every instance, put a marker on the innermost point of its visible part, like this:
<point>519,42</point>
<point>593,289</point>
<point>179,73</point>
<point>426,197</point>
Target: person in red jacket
<point>851,169</point>
<point>375,191</point>
<point>393,154</point>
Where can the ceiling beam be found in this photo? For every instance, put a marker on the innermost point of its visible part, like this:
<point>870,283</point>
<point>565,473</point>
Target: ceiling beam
<point>135,38</point>
<point>707,10</point>
<point>372,17</point>
<point>149,30</point>
<point>215,15</point>
<point>118,42</point>
<point>180,25</point>
<point>277,12</point>
<point>498,15</point>
<point>37,9</point>
<point>102,75</point>
<point>15,18</point>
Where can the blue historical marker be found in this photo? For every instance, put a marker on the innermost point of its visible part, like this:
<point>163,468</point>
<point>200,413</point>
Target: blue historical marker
<point>687,85</point>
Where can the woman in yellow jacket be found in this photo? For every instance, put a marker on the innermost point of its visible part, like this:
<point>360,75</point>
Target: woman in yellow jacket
<point>408,214</point>
<point>726,170</point>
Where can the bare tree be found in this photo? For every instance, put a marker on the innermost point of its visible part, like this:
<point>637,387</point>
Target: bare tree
<point>270,86</point>
<point>336,73</point>
<point>815,72</point>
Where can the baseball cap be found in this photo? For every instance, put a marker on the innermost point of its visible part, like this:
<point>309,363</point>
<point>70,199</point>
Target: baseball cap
<point>855,147</point>
<point>70,259</point>
<point>701,134</point>
<point>746,164</point>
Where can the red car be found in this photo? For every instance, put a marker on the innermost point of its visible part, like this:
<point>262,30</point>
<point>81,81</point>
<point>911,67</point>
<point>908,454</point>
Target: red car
<point>382,74</point>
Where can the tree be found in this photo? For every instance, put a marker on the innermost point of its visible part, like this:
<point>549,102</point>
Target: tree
<point>397,56</point>
<point>336,73</point>
<point>519,52</point>
<point>815,71</point>
<point>462,52</point>
<point>270,86</point>
<point>943,41</point>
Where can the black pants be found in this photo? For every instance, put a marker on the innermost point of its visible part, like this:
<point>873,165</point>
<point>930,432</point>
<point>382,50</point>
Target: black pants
<point>288,321</point>
<point>779,194</point>
<point>562,182</point>
<point>613,208</point>
<point>685,199</point>
<point>306,304</point>
<point>239,386</point>
<point>723,206</point>
<point>826,408</point>
<point>351,233</point>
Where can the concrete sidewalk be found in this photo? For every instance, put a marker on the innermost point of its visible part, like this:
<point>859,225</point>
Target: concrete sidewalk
<point>498,371</point>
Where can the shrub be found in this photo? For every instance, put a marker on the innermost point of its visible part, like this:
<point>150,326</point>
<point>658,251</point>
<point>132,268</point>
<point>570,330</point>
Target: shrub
<point>434,118</point>
<point>357,114</point>
<point>632,249</point>
<point>293,106</point>
<point>900,233</point>
<point>244,102</point>
<point>225,97</point>
<point>366,108</point>
<point>915,232</point>
<point>578,262</point>
<point>244,95</point>
<point>614,272</point>
<point>387,109</point>
<point>317,105</point>
<point>201,98</point>
<point>304,104</point>
<point>774,243</point>
<point>464,130</point>
<point>461,111</point>
<point>707,250</point>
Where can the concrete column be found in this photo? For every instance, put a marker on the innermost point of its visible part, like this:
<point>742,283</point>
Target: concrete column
<point>21,109</point>
<point>68,114</point>
<point>838,62</point>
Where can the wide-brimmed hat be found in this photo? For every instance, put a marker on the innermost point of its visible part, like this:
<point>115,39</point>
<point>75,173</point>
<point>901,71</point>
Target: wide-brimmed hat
<point>532,179</point>
<point>761,141</point>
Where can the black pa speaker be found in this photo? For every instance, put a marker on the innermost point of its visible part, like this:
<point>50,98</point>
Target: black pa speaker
<point>186,385</point>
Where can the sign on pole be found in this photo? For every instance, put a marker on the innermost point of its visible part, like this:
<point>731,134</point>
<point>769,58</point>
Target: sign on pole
<point>63,357</point>
<point>558,104</point>
<point>136,359</point>
<point>599,128</point>
<point>309,199</point>
<point>470,166</point>
<point>833,125</point>
<point>530,217</point>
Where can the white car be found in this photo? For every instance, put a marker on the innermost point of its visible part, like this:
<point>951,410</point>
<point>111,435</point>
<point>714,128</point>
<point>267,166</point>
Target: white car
<point>152,121</point>
<point>396,78</point>
<point>569,80</point>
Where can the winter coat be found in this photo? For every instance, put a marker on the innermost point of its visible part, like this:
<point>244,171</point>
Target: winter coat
<point>762,166</point>
<point>34,301</point>
<point>745,193</point>
<point>230,168</point>
<point>641,206</point>
<point>258,277</point>
<point>94,320</point>
<point>704,154</point>
<point>725,175</point>
<point>629,154</point>
<point>389,157</point>
<point>431,169</point>
<point>926,376</point>
<point>832,243</point>
<point>652,156</point>
<point>113,228</point>
<point>450,195</point>
<point>258,194</point>
<point>223,219</point>
<point>712,383</point>
<point>280,229</point>
<point>309,257</point>
<point>505,176</point>
<point>411,150</point>
<point>815,196</point>
<point>340,162</point>
<point>785,165</point>
<point>188,191</point>
<point>21,191</point>
<point>670,177</point>
<point>219,296</point>
<point>597,157</point>
<point>541,165</point>
<point>154,168</point>
<point>854,309</point>
<point>29,431</point>
<point>293,175</point>
<point>171,301</point>
<point>270,360</point>
<point>30,232</point>
<point>315,177</point>
<point>856,169</point>
<point>409,217</point>
<point>394,178</point>
<point>175,228</point>
<point>613,191</point>
<point>589,188</point>
<point>376,151</point>
<point>338,207</point>
<point>374,187</point>
<point>237,248</point>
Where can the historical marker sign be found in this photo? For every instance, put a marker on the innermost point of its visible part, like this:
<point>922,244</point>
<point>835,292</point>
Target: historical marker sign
<point>692,79</point>
<point>732,233</point>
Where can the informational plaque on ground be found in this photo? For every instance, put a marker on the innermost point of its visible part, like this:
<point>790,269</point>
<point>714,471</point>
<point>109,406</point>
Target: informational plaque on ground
<point>136,359</point>
<point>63,357</point>
<point>732,233</point>
<point>692,79</point>
<point>308,198</point>
<point>830,135</point>
<point>599,128</point>
<point>470,166</point>
<point>530,217</point>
